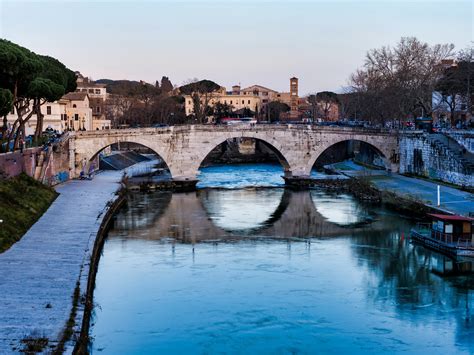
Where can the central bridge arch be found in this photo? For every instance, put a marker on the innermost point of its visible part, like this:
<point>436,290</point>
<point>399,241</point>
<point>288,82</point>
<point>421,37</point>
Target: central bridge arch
<point>272,145</point>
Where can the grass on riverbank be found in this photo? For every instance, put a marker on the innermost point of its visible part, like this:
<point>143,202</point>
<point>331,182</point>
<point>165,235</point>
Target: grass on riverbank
<point>22,201</point>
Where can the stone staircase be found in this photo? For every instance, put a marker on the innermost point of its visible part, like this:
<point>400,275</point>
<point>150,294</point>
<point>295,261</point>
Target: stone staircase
<point>42,164</point>
<point>453,149</point>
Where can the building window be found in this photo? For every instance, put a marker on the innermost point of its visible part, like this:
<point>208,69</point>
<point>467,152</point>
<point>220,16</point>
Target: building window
<point>249,102</point>
<point>91,91</point>
<point>74,106</point>
<point>265,93</point>
<point>97,109</point>
<point>76,117</point>
<point>243,102</point>
<point>84,90</point>
<point>48,110</point>
<point>231,102</point>
<point>97,91</point>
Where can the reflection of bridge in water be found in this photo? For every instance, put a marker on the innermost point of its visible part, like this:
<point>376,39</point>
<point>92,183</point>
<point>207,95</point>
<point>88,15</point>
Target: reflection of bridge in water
<point>186,217</point>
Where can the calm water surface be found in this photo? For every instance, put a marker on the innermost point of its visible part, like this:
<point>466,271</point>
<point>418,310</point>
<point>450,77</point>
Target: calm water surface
<point>273,271</point>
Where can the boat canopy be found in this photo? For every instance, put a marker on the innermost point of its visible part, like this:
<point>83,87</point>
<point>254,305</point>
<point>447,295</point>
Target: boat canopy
<point>450,217</point>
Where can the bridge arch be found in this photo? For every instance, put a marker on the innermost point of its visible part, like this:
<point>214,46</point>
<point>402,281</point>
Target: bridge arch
<point>87,154</point>
<point>383,150</point>
<point>273,144</point>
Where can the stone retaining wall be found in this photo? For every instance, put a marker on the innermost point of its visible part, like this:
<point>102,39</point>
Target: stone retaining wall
<point>15,163</point>
<point>419,156</point>
<point>465,138</point>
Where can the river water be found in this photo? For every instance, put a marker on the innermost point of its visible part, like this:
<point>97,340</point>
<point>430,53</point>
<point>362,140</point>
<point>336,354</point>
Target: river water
<point>238,269</point>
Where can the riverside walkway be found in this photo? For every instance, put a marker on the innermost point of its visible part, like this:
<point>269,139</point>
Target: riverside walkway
<point>452,200</point>
<point>38,274</point>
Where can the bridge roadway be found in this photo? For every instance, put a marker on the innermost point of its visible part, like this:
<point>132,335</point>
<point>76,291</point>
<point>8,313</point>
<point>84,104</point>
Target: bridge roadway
<point>183,148</point>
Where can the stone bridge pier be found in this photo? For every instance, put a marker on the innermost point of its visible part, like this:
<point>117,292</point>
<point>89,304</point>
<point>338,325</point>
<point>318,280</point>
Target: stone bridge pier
<point>183,148</point>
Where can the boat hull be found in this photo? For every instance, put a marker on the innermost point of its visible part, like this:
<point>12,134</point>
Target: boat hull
<point>437,245</point>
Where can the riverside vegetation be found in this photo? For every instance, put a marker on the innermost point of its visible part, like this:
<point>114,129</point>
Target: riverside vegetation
<point>22,202</point>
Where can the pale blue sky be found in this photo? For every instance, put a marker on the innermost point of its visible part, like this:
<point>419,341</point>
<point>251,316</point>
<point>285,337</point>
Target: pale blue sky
<point>264,42</point>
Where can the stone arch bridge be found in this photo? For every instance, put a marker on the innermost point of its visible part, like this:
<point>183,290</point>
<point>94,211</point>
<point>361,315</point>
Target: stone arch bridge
<point>183,148</point>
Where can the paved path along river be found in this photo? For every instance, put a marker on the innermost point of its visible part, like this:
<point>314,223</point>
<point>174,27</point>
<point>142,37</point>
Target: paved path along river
<point>452,200</point>
<point>39,273</point>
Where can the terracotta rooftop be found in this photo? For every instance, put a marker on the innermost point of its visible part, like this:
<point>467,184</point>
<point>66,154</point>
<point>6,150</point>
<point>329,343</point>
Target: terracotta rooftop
<point>75,96</point>
<point>449,217</point>
<point>259,86</point>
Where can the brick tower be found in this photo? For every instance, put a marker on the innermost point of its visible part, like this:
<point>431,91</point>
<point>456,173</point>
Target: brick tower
<point>293,97</point>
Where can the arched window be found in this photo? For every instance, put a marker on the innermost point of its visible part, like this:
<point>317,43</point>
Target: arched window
<point>74,106</point>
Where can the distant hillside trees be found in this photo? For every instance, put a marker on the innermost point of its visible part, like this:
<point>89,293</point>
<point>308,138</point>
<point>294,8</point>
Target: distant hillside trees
<point>32,80</point>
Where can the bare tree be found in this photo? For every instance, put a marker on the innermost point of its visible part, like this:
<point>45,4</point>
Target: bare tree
<point>397,83</point>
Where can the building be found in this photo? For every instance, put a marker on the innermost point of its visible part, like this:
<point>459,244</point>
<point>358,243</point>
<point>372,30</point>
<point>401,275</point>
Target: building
<point>236,98</point>
<point>254,98</point>
<point>97,100</point>
<point>78,112</point>
<point>266,95</point>
<point>83,109</point>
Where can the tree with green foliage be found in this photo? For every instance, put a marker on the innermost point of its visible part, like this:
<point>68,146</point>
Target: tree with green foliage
<point>166,85</point>
<point>6,105</point>
<point>18,68</point>
<point>275,109</point>
<point>202,92</point>
<point>324,100</point>
<point>221,110</point>
<point>33,80</point>
<point>52,83</point>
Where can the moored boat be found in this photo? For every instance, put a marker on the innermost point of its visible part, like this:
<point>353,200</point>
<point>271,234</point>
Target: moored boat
<point>451,234</point>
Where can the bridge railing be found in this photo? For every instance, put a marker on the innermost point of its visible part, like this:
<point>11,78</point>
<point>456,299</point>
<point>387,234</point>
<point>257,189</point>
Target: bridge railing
<point>237,127</point>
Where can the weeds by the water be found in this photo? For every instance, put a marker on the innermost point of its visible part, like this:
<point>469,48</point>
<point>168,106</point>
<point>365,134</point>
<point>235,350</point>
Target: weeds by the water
<point>69,330</point>
<point>34,345</point>
<point>22,201</point>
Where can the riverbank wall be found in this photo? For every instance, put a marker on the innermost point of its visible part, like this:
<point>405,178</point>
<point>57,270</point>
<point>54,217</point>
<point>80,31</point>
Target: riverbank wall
<point>50,166</point>
<point>423,155</point>
<point>83,316</point>
<point>14,163</point>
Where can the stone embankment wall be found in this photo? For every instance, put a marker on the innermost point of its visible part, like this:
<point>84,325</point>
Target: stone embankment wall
<point>465,138</point>
<point>56,164</point>
<point>421,156</point>
<point>15,163</point>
